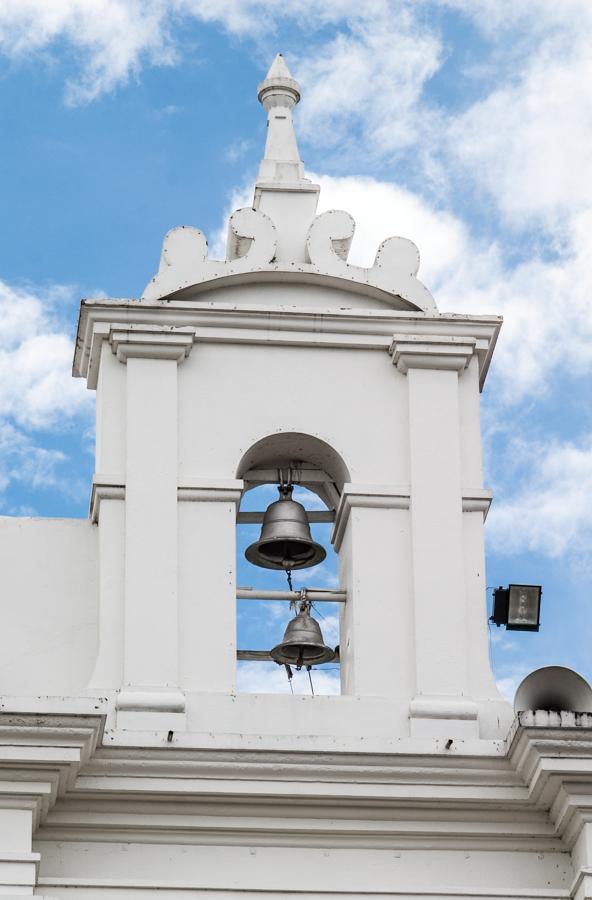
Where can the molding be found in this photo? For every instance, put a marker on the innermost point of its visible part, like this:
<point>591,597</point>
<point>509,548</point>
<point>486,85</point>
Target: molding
<point>105,487</point>
<point>416,890</point>
<point>431,351</point>
<point>552,752</point>
<point>211,490</point>
<point>389,497</point>
<point>133,341</point>
<point>230,490</point>
<point>137,339</point>
<point>112,487</point>
<point>368,496</point>
<point>443,708</point>
<point>146,699</point>
<point>264,325</point>
<point>478,500</point>
<point>41,755</point>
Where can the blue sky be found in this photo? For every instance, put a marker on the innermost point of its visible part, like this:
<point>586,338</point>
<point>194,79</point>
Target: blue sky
<point>465,125</point>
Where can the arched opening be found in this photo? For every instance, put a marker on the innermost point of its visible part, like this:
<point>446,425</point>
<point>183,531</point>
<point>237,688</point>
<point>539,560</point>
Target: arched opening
<point>318,474</point>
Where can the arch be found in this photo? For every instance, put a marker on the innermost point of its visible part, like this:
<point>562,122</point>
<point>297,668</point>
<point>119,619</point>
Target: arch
<point>314,463</point>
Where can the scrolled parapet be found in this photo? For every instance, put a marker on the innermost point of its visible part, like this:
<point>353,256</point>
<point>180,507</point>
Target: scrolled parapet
<point>252,246</point>
<point>184,261</point>
<point>395,266</point>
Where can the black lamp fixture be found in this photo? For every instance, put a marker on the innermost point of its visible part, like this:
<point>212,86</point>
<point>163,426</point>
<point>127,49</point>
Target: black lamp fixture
<point>518,607</point>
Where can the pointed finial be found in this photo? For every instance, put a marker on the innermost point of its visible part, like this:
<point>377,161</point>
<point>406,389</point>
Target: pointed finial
<point>278,88</point>
<point>282,190</point>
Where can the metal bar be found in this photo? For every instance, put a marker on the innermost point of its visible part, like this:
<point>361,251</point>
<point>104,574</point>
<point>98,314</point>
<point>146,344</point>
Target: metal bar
<point>264,655</point>
<point>315,594</point>
<point>301,475</point>
<point>254,655</point>
<point>313,516</point>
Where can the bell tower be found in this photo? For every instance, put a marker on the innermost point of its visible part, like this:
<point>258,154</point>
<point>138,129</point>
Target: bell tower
<point>285,355</point>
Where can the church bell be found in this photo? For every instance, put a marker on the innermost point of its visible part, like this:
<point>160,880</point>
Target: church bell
<point>303,643</point>
<point>285,541</point>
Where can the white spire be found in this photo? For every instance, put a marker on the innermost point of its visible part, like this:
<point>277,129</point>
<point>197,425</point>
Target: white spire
<point>282,192</point>
<point>278,93</point>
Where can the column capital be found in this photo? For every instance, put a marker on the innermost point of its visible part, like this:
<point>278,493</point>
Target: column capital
<point>431,351</point>
<point>151,341</point>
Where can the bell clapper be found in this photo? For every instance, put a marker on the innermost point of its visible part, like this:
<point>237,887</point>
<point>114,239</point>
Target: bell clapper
<point>290,675</point>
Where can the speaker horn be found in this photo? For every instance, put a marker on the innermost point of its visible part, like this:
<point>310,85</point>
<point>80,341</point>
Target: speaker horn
<point>554,688</point>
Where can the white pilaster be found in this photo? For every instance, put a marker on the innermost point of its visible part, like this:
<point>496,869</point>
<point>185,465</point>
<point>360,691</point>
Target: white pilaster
<point>151,695</point>
<point>432,366</point>
<point>207,585</point>
<point>108,512</point>
<point>372,536</point>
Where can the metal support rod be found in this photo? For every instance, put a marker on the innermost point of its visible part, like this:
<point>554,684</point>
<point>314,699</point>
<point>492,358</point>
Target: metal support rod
<point>263,655</point>
<point>316,595</point>
<point>254,655</point>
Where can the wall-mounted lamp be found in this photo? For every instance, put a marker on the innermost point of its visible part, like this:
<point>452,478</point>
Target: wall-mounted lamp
<point>518,607</point>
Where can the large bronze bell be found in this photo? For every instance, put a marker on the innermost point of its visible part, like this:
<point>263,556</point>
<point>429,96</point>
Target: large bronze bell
<point>285,541</point>
<point>303,643</point>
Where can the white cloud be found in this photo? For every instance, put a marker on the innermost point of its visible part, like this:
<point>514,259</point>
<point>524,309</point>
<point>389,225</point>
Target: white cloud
<point>549,508</point>
<point>36,358</point>
<point>269,678</point>
<point>37,391</point>
<point>112,37</point>
<point>536,17</point>
<point>535,162</point>
<point>372,77</point>
<point>507,684</point>
<point>24,462</point>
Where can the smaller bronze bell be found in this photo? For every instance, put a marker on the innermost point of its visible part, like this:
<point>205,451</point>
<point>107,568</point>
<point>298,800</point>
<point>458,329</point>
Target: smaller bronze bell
<point>303,643</point>
<point>285,541</point>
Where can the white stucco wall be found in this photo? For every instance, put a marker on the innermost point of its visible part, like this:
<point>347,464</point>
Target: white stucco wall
<point>49,605</point>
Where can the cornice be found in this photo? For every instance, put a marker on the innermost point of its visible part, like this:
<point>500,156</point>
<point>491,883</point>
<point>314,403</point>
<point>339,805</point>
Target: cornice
<point>537,797</point>
<point>300,800</point>
<point>228,323</point>
<point>41,755</point>
<point>552,753</point>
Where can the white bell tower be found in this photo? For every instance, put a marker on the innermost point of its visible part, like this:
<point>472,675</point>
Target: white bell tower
<point>130,764</point>
<point>285,354</point>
